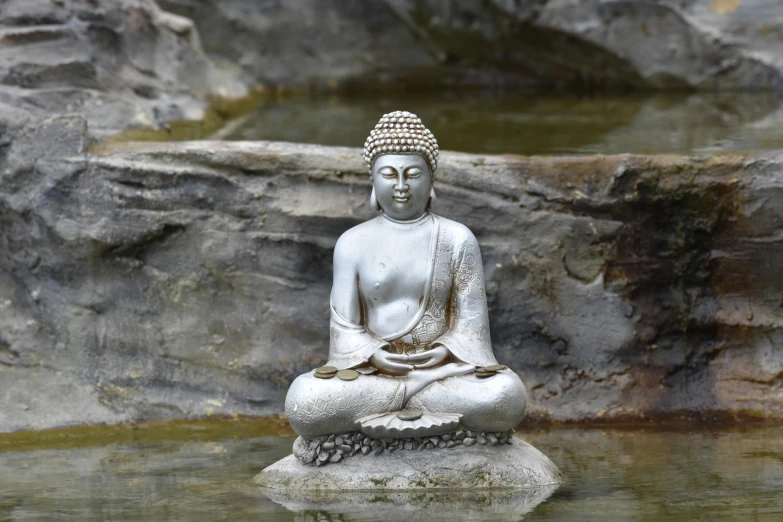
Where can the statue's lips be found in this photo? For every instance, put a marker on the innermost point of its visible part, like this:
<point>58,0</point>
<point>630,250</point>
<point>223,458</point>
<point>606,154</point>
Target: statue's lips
<point>402,199</point>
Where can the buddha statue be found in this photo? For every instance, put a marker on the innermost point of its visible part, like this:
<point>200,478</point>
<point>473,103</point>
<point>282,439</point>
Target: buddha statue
<point>410,352</point>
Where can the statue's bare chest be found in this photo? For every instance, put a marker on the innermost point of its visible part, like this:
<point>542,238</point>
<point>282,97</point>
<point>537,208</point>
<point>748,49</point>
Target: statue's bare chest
<point>397,268</point>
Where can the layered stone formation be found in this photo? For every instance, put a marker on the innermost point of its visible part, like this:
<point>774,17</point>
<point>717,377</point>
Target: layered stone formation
<point>118,63</point>
<point>151,281</point>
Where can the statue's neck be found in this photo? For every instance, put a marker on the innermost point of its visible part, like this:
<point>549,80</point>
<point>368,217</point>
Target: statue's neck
<point>408,223</point>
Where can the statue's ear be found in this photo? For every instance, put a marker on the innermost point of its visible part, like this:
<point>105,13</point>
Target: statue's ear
<point>374,200</point>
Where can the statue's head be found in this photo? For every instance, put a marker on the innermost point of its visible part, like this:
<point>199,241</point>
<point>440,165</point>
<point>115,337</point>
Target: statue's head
<point>402,156</point>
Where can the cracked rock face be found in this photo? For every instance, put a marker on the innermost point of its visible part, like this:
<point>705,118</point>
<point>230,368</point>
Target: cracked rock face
<point>159,281</point>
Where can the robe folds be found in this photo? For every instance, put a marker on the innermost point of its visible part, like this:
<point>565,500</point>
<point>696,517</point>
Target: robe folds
<point>453,312</point>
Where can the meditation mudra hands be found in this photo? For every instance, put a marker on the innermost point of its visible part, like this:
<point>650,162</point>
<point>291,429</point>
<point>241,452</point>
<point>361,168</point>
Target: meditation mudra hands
<point>419,369</point>
<point>401,364</point>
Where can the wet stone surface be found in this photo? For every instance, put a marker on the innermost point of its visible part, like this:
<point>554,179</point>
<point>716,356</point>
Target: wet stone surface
<point>447,462</point>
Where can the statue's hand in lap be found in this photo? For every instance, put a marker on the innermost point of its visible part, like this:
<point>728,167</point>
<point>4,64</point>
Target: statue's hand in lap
<point>432,357</point>
<point>401,364</point>
<point>391,363</point>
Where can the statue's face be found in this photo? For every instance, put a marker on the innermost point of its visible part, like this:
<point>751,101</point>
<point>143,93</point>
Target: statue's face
<point>402,185</point>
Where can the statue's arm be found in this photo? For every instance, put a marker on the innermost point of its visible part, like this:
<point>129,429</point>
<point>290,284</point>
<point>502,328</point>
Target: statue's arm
<point>350,344</point>
<point>346,300</point>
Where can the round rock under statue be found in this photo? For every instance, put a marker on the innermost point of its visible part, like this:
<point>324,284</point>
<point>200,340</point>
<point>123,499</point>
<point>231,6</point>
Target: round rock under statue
<point>419,402</point>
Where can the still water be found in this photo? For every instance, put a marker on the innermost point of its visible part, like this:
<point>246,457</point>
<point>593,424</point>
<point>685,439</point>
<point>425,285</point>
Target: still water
<point>200,472</point>
<point>490,122</point>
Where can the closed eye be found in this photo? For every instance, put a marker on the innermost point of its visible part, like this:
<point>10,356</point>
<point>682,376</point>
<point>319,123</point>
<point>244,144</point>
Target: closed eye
<point>388,172</point>
<point>413,172</point>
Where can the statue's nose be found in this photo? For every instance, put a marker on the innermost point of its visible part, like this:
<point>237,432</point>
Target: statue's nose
<point>401,186</point>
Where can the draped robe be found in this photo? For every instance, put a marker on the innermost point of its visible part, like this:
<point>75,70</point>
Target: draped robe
<point>453,313</point>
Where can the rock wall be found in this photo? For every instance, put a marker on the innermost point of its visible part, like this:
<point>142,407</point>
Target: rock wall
<point>704,44</point>
<point>309,41</point>
<point>587,44</point>
<point>122,64</point>
<point>151,281</point>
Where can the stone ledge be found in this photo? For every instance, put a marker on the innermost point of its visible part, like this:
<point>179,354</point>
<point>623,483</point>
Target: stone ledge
<point>519,465</point>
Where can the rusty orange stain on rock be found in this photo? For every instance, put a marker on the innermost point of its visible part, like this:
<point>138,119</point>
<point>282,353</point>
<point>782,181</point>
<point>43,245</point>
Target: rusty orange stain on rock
<point>725,6</point>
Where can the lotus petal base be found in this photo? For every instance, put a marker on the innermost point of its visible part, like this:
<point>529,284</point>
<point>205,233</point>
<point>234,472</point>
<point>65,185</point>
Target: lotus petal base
<point>390,425</point>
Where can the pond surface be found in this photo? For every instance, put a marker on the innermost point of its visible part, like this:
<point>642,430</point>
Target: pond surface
<point>204,473</point>
<point>489,122</point>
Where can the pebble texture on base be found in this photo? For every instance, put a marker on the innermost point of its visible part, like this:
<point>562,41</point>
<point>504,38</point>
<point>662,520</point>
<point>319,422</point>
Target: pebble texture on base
<point>333,448</point>
<point>507,466</point>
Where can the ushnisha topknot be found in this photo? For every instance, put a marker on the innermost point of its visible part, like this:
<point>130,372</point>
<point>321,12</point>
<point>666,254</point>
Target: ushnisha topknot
<point>401,132</point>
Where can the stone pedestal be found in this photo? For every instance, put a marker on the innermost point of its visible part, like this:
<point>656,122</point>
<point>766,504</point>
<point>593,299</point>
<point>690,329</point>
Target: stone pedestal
<point>516,465</point>
<point>417,504</point>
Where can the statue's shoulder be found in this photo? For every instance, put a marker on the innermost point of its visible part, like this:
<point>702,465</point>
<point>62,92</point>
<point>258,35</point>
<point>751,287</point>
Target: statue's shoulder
<point>459,233</point>
<point>349,244</point>
<point>360,231</point>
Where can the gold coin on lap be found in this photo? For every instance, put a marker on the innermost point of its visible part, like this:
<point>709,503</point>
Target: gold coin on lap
<point>347,375</point>
<point>326,372</point>
<point>495,368</point>
<point>485,374</point>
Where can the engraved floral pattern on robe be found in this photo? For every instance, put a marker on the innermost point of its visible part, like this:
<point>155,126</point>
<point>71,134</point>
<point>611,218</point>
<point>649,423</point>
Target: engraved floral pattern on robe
<point>456,313</point>
<point>458,291</point>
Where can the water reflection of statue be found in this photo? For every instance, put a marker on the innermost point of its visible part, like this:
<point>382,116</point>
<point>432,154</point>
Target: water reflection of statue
<point>409,325</point>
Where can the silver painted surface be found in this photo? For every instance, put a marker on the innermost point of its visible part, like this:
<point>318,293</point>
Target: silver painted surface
<point>408,299</point>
